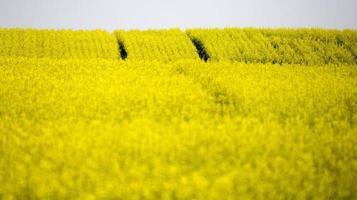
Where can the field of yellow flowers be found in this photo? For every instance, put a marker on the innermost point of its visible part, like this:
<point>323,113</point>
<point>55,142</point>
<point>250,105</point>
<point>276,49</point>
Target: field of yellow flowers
<point>79,121</point>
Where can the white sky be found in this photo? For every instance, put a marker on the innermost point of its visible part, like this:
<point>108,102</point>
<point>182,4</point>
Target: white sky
<point>135,14</point>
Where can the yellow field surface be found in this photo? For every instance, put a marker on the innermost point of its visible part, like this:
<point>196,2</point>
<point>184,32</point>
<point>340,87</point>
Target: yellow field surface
<point>163,124</point>
<point>160,45</point>
<point>58,44</point>
<point>289,46</point>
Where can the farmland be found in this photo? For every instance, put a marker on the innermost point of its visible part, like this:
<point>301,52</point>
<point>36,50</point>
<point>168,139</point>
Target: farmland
<point>170,114</point>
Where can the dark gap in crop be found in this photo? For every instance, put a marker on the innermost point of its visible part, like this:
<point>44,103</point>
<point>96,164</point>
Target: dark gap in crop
<point>339,41</point>
<point>201,50</point>
<point>122,50</point>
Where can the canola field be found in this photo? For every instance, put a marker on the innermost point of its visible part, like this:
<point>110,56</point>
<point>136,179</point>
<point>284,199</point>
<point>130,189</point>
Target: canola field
<point>271,114</point>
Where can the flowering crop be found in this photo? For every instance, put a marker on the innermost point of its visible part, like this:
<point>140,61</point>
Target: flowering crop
<point>58,44</point>
<point>146,130</point>
<point>160,45</point>
<point>162,124</point>
<point>290,46</point>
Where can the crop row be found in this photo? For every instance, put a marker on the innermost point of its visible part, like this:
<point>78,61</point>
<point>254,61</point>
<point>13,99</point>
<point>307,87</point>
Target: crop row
<point>248,45</point>
<point>61,44</point>
<point>298,46</point>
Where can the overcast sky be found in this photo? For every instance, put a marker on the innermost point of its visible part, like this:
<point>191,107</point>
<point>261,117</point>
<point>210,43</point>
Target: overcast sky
<point>145,14</point>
